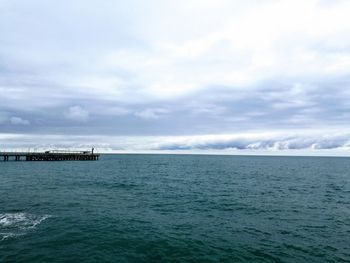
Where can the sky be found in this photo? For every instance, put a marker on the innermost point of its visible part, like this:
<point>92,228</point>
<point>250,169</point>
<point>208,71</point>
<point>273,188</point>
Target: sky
<point>185,76</point>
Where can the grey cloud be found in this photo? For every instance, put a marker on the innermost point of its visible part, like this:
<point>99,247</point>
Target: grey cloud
<point>259,142</point>
<point>213,110</point>
<point>77,113</point>
<point>278,143</point>
<point>152,113</point>
<point>19,121</point>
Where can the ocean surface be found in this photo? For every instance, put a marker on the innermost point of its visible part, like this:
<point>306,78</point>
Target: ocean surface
<point>176,208</point>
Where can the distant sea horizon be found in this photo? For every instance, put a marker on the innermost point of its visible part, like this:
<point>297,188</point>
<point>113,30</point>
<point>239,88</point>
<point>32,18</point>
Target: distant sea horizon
<point>257,154</point>
<point>287,153</point>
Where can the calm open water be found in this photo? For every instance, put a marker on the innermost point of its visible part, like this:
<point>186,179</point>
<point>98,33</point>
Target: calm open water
<point>176,208</point>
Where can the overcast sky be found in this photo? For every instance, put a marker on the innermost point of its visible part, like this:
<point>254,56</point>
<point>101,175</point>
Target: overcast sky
<point>186,75</point>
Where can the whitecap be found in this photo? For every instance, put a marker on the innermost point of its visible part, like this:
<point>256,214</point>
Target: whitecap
<point>17,224</point>
<point>4,236</point>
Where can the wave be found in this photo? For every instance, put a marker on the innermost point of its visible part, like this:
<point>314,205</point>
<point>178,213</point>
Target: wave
<point>18,224</point>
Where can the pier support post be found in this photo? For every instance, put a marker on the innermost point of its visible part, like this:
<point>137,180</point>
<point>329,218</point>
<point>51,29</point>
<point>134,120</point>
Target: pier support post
<point>49,156</point>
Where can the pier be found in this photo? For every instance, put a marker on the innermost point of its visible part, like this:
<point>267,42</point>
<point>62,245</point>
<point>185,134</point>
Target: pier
<point>54,155</point>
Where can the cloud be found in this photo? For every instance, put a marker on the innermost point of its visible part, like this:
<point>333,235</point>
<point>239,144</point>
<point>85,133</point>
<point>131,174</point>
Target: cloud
<point>77,113</point>
<point>151,113</point>
<point>283,142</point>
<point>240,66</point>
<point>19,121</point>
<point>265,142</point>
<point>3,117</point>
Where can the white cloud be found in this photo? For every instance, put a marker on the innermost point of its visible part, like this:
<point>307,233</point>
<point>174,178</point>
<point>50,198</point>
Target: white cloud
<point>77,113</point>
<point>230,43</point>
<point>278,39</point>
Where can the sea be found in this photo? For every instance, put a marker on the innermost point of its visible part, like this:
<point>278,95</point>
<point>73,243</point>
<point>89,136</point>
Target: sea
<point>176,208</point>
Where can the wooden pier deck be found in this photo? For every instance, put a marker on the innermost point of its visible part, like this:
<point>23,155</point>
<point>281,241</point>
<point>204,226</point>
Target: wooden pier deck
<point>50,156</point>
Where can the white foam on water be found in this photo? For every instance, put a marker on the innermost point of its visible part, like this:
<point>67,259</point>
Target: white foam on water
<point>17,224</point>
<point>4,236</point>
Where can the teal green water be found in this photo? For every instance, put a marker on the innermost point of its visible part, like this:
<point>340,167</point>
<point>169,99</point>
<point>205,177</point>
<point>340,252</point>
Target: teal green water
<point>176,208</point>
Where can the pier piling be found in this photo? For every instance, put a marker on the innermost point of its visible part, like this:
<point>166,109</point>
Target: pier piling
<point>50,156</point>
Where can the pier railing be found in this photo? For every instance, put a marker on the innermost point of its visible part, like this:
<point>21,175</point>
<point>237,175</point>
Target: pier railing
<point>51,155</point>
